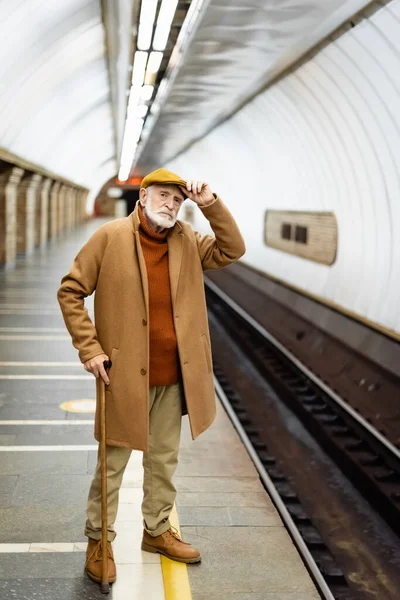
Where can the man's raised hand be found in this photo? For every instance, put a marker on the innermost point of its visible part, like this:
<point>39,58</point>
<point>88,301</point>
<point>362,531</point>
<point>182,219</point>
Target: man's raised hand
<point>200,192</point>
<point>96,367</point>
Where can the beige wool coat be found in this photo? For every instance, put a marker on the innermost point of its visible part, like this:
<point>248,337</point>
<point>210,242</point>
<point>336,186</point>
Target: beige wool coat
<point>112,264</point>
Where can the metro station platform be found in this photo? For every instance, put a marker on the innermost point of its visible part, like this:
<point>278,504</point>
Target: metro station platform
<point>48,455</point>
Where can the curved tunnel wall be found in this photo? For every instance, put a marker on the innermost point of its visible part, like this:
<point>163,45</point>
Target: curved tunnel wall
<point>54,98</point>
<point>324,138</point>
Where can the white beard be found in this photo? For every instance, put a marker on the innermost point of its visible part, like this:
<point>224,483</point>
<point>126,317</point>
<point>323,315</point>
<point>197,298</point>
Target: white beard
<point>156,218</point>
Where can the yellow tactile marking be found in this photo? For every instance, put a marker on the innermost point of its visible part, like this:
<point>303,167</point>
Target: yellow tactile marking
<point>79,406</point>
<point>175,574</point>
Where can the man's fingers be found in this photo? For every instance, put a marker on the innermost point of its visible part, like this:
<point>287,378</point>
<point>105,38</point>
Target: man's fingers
<point>195,186</point>
<point>96,367</point>
<point>104,375</point>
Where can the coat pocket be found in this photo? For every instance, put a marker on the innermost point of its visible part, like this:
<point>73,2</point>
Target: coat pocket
<point>207,352</point>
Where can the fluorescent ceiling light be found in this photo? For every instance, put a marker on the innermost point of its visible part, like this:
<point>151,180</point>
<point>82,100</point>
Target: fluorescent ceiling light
<point>126,161</point>
<point>128,148</point>
<point>138,128</point>
<point>139,68</point>
<point>134,97</point>
<point>146,92</point>
<point>154,61</point>
<point>165,17</point>
<point>141,110</point>
<point>153,65</point>
<point>146,22</point>
<point>124,170</point>
<point>133,129</point>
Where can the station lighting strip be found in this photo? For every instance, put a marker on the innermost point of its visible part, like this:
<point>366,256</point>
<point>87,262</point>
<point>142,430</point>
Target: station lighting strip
<point>146,64</point>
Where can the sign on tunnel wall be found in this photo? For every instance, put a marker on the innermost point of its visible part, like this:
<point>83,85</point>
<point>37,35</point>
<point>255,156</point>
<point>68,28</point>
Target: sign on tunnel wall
<point>311,235</point>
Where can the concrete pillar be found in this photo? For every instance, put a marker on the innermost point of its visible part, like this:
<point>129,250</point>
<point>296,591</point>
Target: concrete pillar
<point>36,200</point>
<point>5,173</point>
<point>85,195</point>
<point>76,212</point>
<point>53,206</point>
<point>73,207</point>
<point>82,195</point>
<point>70,196</point>
<point>66,207</point>
<point>44,212</point>
<point>78,206</point>
<point>9,181</point>
<point>26,205</point>
<point>61,212</point>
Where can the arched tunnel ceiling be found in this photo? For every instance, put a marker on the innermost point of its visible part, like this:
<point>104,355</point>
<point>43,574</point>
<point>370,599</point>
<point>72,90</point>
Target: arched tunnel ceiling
<point>55,97</point>
<point>238,47</point>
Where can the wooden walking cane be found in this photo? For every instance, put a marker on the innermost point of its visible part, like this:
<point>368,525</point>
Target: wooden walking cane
<point>104,586</point>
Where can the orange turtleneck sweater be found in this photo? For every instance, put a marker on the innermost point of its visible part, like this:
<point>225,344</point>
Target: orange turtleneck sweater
<point>164,359</point>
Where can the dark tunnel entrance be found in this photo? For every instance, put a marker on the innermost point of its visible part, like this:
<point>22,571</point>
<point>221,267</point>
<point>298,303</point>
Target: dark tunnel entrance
<point>131,196</point>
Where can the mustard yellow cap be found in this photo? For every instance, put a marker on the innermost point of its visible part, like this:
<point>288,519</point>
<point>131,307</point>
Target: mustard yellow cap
<point>163,176</point>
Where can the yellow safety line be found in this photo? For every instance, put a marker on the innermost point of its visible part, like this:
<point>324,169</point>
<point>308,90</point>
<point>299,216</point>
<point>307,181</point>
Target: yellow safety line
<point>175,574</point>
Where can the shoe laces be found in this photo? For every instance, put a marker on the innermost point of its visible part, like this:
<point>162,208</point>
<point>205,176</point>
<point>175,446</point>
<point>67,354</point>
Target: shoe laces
<point>98,554</point>
<point>174,533</point>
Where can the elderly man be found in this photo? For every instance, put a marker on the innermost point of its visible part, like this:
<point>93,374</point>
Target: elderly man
<point>151,321</point>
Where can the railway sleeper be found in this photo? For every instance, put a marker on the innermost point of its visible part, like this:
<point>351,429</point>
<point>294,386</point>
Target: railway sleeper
<point>286,492</point>
<point>311,537</point>
<point>330,420</point>
<point>387,476</point>
<point>373,460</point>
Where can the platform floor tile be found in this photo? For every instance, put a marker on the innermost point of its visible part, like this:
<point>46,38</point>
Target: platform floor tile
<point>224,510</point>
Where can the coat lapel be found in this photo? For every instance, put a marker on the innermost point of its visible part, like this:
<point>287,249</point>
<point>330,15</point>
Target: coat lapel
<point>175,253</point>
<point>143,271</point>
<point>134,216</point>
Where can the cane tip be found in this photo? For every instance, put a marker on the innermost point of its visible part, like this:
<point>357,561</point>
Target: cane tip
<point>105,588</point>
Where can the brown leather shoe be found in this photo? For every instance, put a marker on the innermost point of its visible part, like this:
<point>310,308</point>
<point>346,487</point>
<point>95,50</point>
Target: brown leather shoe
<point>94,561</point>
<point>170,544</point>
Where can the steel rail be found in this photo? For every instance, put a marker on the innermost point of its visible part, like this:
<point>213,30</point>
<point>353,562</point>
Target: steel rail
<point>356,416</point>
<point>280,506</point>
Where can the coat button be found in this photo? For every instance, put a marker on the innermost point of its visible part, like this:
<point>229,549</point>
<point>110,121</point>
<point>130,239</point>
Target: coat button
<point>144,322</point>
<point>143,371</point>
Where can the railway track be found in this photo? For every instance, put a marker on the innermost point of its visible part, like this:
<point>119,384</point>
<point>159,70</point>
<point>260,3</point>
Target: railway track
<point>337,476</point>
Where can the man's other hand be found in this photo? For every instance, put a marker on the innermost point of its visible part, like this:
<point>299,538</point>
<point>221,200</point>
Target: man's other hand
<point>96,367</point>
<point>200,192</point>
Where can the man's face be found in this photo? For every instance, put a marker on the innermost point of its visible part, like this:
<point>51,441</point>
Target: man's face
<point>162,203</point>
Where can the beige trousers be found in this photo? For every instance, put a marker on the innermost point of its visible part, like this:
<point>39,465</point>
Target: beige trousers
<point>159,464</point>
